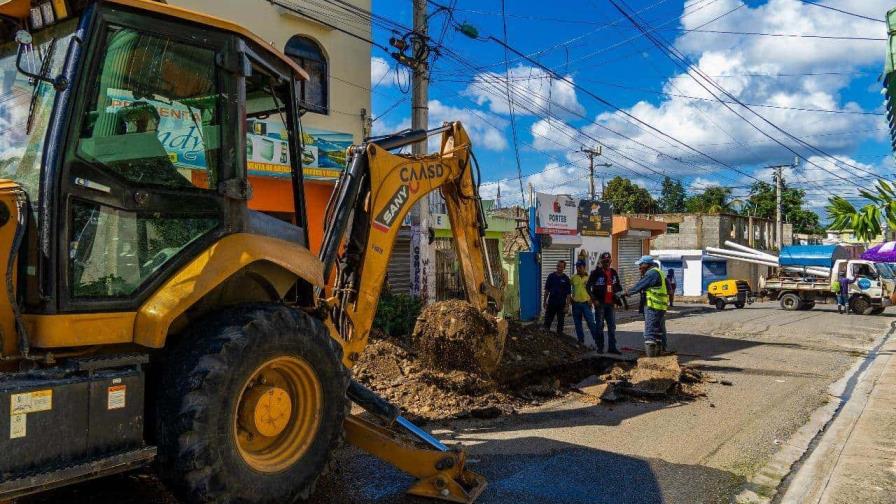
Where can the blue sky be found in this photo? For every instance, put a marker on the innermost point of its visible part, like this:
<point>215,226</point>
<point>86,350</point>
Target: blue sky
<point>618,89</point>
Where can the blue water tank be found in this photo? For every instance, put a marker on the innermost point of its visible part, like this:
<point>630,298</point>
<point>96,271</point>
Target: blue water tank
<point>812,255</point>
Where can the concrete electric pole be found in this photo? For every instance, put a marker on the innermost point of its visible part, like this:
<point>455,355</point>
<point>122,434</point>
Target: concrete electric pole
<point>779,222</point>
<point>591,153</point>
<point>423,254</point>
<point>779,189</point>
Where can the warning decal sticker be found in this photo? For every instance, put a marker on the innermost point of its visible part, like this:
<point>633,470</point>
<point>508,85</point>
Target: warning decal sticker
<point>31,402</point>
<point>117,394</point>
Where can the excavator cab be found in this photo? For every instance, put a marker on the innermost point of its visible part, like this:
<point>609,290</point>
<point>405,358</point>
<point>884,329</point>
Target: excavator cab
<point>147,313</point>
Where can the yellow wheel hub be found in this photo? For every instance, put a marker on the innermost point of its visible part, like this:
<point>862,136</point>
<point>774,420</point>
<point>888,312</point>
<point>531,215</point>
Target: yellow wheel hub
<point>278,414</point>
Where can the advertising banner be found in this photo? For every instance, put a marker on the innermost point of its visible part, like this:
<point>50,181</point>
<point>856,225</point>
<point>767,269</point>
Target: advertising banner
<point>555,214</point>
<point>595,218</point>
<point>267,151</point>
<point>179,128</point>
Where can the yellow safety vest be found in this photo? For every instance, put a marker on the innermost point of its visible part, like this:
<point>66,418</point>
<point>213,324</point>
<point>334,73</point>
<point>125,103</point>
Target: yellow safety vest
<point>658,297</point>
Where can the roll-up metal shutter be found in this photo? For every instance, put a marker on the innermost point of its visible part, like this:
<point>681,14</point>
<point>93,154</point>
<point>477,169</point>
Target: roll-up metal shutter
<point>630,250</point>
<point>549,258</point>
<point>400,267</point>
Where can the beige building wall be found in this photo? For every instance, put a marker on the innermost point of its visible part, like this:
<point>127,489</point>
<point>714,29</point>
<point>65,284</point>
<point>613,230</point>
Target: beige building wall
<point>348,58</point>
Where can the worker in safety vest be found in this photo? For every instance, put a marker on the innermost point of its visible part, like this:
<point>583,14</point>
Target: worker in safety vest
<point>653,285</point>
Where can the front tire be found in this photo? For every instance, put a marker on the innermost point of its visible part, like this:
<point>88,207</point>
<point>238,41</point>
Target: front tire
<point>252,405</point>
<point>720,304</point>
<point>860,305</point>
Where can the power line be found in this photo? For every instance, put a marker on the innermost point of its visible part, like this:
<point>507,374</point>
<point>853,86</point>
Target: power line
<point>841,11</point>
<point>516,150</point>
<point>783,35</point>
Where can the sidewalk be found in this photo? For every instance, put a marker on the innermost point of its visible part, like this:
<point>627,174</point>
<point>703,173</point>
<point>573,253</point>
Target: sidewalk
<point>854,460</point>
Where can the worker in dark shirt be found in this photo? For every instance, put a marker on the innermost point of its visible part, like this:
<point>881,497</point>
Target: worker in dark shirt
<point>653,285</point>
<point>603,285</point>
<point>557,289</point>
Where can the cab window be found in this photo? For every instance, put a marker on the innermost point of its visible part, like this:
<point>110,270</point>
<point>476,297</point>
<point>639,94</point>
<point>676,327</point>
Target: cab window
<point>154,114</point>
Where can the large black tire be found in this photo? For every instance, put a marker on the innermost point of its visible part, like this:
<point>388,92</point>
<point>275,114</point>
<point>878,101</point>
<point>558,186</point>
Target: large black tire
<point>720,304</point>
<point>877,310</point>
<point>860,305</point>
<point>791,301</point>
<point>201,383</point>
<point>739,304</point>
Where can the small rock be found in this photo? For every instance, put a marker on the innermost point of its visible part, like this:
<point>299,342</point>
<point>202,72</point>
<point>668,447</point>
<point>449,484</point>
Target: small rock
<point>711,405</point>
<point>486,413</point>
<point>726,383</point>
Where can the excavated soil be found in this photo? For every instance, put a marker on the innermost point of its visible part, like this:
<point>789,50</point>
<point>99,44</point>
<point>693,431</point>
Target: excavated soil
<point>454,335</point>
<point>434,375</point>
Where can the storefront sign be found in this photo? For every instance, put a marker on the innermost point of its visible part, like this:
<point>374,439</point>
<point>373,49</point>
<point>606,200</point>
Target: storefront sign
<point>595,218</point>
<point>556,214</point>
<point>267,151</point>
<point>179,128</point>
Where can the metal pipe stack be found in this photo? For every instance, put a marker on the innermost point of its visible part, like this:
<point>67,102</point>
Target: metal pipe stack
<point>747,254</point>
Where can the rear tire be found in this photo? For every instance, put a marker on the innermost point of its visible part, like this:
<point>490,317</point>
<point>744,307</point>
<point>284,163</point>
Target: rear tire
<point>213,386</point>
<point>739,304</point>
<point>877,310</point>
<point>791,302</point>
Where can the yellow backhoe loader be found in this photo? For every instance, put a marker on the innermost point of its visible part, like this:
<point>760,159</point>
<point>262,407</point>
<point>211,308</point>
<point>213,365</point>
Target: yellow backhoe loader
<point>146,313</point>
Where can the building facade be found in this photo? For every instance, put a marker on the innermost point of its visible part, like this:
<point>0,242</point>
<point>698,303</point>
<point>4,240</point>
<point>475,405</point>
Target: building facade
<point>337,100</point>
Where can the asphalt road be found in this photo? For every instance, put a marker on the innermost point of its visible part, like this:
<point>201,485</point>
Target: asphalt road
<point>780,365</point>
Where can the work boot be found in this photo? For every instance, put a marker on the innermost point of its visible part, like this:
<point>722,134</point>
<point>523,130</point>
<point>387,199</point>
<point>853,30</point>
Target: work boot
<point>651,348</point>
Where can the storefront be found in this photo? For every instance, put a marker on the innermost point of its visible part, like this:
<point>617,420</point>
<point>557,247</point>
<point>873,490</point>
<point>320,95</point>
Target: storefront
<point>631,240</point>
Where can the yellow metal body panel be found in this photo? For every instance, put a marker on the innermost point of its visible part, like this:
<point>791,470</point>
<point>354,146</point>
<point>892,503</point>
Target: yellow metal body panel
<point>149,325</point>
<point>80,329</point>
<point>723,288</point>
<point>211,268</point>
<point>17,9</point>
<point>9,341</point>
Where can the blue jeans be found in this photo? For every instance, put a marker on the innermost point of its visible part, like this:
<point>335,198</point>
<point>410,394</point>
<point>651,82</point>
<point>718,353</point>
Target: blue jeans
<point>606,312</point>
<point>655,325</point>
<point>579,311</point>
<point>842,299</point>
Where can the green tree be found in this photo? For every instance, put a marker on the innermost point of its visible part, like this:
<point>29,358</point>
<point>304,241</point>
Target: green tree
<point>627,197</point>
<point>672,196</point>
<point>762,203</point>
<point>864,222</point>
<point>713,200</point>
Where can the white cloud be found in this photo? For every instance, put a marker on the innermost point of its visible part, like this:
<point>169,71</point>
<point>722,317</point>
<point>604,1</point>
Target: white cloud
<point>533,90</point>
<point>746,62</point>
<point>553,135</point>
<point>379,72</point>
<point>486,130</point>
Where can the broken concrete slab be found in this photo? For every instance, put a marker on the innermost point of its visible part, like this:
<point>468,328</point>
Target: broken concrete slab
<point>655,375</point>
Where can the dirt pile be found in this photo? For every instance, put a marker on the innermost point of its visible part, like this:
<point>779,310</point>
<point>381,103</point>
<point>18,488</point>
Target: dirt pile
<point>454,335</point>
<point>649,377</point>
<point>432,376</point>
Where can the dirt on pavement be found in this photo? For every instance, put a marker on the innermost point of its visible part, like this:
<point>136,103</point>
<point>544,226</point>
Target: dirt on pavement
<point>433,374</point>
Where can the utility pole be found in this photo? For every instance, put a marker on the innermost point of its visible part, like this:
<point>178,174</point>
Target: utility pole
<point>779,189</point>
<point>779,223</point>
<point>591,153</point>
<point>424,259</point>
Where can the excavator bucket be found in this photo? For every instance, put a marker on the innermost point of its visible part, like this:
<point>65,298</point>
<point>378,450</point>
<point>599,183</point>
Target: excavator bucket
<point>492,348</point>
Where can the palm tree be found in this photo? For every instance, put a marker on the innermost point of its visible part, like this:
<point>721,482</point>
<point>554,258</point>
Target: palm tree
<point>865,222</point>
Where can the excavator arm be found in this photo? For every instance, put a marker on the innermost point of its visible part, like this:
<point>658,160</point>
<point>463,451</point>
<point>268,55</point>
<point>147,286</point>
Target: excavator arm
<point>364,216</point>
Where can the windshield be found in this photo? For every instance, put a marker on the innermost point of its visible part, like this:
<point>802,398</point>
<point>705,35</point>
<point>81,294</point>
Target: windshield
<point>885,270</point>
<point>21,138</point>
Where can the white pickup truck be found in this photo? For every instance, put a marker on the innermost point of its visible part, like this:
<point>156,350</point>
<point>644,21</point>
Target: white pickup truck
<point>871,291</point>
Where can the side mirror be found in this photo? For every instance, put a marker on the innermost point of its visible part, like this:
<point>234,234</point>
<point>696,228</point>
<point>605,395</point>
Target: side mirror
<point>24,40</point>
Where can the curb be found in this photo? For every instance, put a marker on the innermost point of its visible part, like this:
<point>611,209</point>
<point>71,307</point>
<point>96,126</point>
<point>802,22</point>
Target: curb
<point>766,485</point>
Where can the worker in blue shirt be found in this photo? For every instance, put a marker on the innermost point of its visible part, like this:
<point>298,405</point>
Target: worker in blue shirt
<point>557,289</point>
<point>653,285</point>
